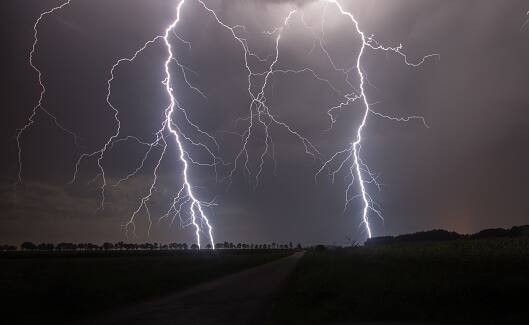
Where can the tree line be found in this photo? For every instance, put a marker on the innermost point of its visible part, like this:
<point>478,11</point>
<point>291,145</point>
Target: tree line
<point>443,235</point>
<point>30,246</point>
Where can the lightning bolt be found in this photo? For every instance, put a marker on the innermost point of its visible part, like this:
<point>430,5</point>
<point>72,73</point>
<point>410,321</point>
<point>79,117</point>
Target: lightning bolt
<point>260,72</point>
<point>39,105</point>
<point>260,113</point>
<point>358,170</point>
<point>196,206</point>
<point>185,199</point>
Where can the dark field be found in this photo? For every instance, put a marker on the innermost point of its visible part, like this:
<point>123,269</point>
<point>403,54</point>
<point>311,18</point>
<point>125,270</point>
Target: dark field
<point>457,281</point>
<point>66,286</point>
<point>462,281</point>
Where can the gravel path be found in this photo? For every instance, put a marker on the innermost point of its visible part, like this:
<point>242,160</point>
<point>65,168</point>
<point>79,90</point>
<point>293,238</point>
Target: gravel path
<point>240,298</point>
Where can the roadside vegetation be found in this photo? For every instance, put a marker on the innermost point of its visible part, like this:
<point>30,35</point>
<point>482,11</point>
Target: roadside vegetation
<point>484,280</point>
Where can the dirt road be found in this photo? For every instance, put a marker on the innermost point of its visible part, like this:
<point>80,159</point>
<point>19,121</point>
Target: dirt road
<point>240,298</point>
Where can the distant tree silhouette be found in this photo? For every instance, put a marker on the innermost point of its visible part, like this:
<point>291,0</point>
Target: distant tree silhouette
<point>208,246</point>
<point>519,231</point>
<point>194,246</point>
<point>87,246</point>
<point>320,247</point>
<point>8,248</point>
<point>28,246</point>
<point>65,246</point>
<point>298,246</point>
<point>45,247</point>
<point>492,233</point>
<point>423,236</point>
<point>107,246</point>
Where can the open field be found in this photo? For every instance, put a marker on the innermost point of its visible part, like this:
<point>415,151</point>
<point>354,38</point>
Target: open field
<point>70,285</point>
<point>467,281</point>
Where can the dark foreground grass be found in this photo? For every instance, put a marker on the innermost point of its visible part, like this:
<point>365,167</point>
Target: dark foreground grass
<point>67,286</point>
<point>484,281</point>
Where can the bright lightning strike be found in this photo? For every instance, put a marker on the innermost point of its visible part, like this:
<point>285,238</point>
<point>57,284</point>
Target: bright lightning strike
<point>259,114</point>
<point>185,198</point>
<point>185,204</point>
<point>358,170</point>
<point>195,205</point>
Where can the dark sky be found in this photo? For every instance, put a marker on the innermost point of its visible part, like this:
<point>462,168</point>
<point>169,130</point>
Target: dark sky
<point>466,172</point>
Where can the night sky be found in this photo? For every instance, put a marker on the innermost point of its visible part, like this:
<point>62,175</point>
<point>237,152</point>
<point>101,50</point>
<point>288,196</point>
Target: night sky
<point>468,171</point>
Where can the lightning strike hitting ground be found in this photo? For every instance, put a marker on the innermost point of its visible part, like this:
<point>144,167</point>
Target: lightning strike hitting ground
<point>358,170</point>
<point>185,204</point>
<point>185,197</point>
<point>39,105</point>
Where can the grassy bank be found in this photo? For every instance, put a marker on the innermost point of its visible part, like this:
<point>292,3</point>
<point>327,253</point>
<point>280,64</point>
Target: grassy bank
<point>64,286</point>
<point>481,280</point>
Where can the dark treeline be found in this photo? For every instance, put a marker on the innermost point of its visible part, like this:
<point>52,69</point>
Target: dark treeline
<point>443,235</point>
<point>29,246</point>
<point>8,248</point>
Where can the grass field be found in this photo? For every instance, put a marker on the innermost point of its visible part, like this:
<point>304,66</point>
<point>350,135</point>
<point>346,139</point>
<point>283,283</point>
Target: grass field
<point>68,285</point>
<point>458,281</point>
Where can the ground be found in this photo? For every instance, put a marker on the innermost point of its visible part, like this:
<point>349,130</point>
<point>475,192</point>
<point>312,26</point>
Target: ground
<point>462,281</point>
<point>241,298</point>
<point>67,286</point>
<point>456,281</point>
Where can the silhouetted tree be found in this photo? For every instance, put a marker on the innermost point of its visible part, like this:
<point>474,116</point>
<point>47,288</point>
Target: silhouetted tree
<point>45,247</point>
<point>298,246</point>
<point>208,246</point>
<point>8,248</point>
<point>66,246</point>
<point>320,248</point>
<point>194,246</point>
<point>492,233</point>
<point>519,231</point>
<point>28,246</point>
